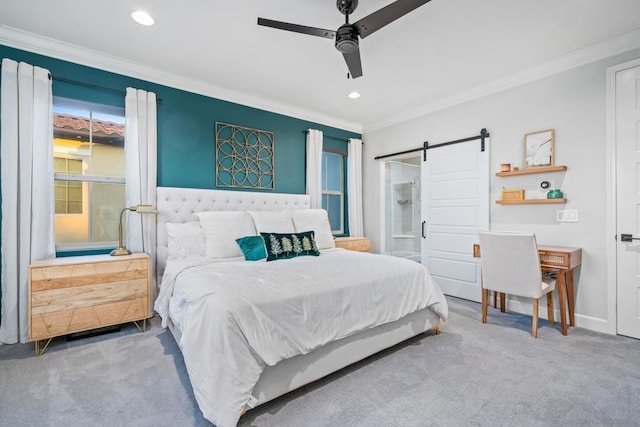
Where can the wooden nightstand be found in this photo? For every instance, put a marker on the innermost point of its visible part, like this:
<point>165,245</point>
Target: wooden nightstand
<point>360,244</point>
<point>75,294</point>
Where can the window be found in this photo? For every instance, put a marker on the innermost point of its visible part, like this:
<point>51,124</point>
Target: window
<point>89,174</point>
<point>333,189</point>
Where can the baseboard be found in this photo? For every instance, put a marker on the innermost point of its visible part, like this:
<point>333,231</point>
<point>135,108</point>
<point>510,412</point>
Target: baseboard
<point>524,306</point>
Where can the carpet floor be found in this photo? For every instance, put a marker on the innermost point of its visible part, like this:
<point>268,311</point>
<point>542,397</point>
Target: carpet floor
<point>469,375</point>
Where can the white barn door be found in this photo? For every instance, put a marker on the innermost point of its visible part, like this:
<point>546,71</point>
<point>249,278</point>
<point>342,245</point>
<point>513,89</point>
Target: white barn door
<point>455,206</point>
<point>627,125</point>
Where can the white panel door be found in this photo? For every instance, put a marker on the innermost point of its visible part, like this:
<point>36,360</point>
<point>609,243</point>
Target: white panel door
<point>627,124</point>
<point>455,206</point>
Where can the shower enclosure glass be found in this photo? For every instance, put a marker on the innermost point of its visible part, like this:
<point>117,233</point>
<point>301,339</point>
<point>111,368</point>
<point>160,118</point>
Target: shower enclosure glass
<point>402,208</point>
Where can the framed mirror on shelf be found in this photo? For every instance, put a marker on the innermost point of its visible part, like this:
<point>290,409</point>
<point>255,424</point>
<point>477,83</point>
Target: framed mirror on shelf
<point>539,148</point>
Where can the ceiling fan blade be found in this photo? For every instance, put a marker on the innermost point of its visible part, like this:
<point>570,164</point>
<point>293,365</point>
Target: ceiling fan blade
<point>329,34</point>
<point>353,63</point>
<point>378,19</point>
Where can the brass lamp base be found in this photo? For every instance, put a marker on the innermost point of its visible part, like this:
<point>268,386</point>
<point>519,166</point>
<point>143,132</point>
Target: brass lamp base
<point>120,251</point>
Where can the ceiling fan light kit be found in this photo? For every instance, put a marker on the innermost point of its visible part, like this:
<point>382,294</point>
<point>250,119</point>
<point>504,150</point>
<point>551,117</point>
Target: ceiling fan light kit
<point>347,36</point>
<point>346,39</point>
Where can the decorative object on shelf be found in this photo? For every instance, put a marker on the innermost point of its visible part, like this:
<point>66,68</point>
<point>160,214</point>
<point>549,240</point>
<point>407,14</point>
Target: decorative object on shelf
<point>512,194</point>
<point>555,194</point>
<point>244,157</point>
<point>505,167</point>
<point>139,209</point>
<point>539,148</point>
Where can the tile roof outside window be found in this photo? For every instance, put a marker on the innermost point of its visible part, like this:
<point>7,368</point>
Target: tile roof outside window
<point>79,123</point>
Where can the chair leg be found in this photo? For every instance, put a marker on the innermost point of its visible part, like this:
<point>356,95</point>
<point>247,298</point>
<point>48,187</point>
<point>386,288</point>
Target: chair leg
<point>503,302</point>
<point>550,307</point>
<point>485,297</point>
<point>495,299</point>
<point>534,322</point>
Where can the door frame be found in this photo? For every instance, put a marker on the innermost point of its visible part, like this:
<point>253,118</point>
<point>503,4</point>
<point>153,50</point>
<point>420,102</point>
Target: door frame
<point>611,185</point>
<point>381,195</point>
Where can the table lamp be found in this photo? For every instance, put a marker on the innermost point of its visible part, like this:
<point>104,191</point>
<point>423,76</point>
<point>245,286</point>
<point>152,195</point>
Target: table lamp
<point>139,209</point>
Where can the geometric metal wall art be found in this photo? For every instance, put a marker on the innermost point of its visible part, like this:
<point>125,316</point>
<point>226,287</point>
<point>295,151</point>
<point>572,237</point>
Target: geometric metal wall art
<point>244,157</point>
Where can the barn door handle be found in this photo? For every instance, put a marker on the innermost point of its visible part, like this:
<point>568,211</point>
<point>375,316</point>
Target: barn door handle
<point>628,238</point>
<point>423,223</point>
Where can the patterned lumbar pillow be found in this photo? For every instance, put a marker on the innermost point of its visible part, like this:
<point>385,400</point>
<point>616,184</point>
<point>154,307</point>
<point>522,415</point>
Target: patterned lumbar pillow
<point>252,247</point>
<point>289,245</point>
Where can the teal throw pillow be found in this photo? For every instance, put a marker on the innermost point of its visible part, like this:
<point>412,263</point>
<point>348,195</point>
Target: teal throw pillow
<point>252,248</point>
<point>289,245</point>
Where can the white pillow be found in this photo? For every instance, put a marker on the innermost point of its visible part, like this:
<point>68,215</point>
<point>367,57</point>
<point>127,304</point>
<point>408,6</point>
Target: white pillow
<point>185,240</point>
<point>316,220</point>
<point>222,228</point>
<point>273,221</point>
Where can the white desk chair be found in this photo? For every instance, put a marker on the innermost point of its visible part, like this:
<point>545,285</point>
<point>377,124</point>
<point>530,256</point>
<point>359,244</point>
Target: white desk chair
<point>511,265</point>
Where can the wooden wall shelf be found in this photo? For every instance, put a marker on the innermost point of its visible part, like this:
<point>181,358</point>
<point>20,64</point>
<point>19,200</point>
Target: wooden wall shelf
<point>539,169</point>
<point>531,201</point>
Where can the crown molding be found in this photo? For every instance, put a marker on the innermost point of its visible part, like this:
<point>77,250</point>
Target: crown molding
<point>577,58</point>
<point>31,42</point>
<point>61,50</point>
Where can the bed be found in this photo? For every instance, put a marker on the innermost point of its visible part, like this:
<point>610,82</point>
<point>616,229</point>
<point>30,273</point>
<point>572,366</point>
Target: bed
<point>251,331</point>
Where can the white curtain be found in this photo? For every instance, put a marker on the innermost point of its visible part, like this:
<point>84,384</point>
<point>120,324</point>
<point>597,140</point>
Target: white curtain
<point>354,187</point>
<point>314,167</point>
<point>27,188</point>
<point>141,173</point>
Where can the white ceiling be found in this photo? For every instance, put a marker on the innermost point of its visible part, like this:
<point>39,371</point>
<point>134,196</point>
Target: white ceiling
<point>432,56</point>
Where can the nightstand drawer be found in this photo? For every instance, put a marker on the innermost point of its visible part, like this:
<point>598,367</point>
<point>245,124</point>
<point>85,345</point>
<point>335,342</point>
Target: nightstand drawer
<point>360,244</point>
<point>55,323</point>
<point>51,300</point>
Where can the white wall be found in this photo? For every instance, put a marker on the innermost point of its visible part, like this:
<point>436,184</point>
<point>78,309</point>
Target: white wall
<point>574,104</point>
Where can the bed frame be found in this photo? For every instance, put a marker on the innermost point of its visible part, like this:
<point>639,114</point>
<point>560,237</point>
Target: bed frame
<point>177,205</point>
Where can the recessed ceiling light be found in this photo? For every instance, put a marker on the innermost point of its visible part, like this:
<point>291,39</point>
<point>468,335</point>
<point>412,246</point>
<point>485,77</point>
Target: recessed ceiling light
<point>354,95</point>
<point>142,17</point>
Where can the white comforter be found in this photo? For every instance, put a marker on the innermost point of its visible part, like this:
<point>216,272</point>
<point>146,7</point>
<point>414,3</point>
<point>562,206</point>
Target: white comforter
<point>236,317</point>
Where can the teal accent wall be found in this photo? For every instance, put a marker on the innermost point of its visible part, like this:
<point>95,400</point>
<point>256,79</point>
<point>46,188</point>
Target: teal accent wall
<point>186,124</point>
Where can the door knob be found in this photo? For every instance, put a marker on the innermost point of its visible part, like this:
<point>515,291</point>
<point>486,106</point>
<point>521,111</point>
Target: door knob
<point>628,238</point>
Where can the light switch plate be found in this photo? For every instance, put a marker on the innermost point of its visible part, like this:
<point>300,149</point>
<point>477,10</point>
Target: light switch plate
<point>567,215</point>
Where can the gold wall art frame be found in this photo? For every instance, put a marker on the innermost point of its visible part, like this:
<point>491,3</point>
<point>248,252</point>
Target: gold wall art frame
<point>244,157</point>
<point>539,148</point>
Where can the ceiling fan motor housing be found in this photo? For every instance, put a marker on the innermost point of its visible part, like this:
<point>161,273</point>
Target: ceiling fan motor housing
<point>347,38</point>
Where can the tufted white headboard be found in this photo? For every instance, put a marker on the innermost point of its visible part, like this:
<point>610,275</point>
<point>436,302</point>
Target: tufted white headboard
<point>178,205</point>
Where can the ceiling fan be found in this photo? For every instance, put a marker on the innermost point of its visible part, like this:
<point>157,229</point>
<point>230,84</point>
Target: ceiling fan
<point>348,36</point>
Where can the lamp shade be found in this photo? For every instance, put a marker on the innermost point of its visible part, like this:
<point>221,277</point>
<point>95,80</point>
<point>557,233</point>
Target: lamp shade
<point>144,209</point>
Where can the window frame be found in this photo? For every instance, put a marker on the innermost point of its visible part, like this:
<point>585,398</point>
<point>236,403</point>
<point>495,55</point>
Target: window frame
<point>92,107</point>
<point>340,193</point>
